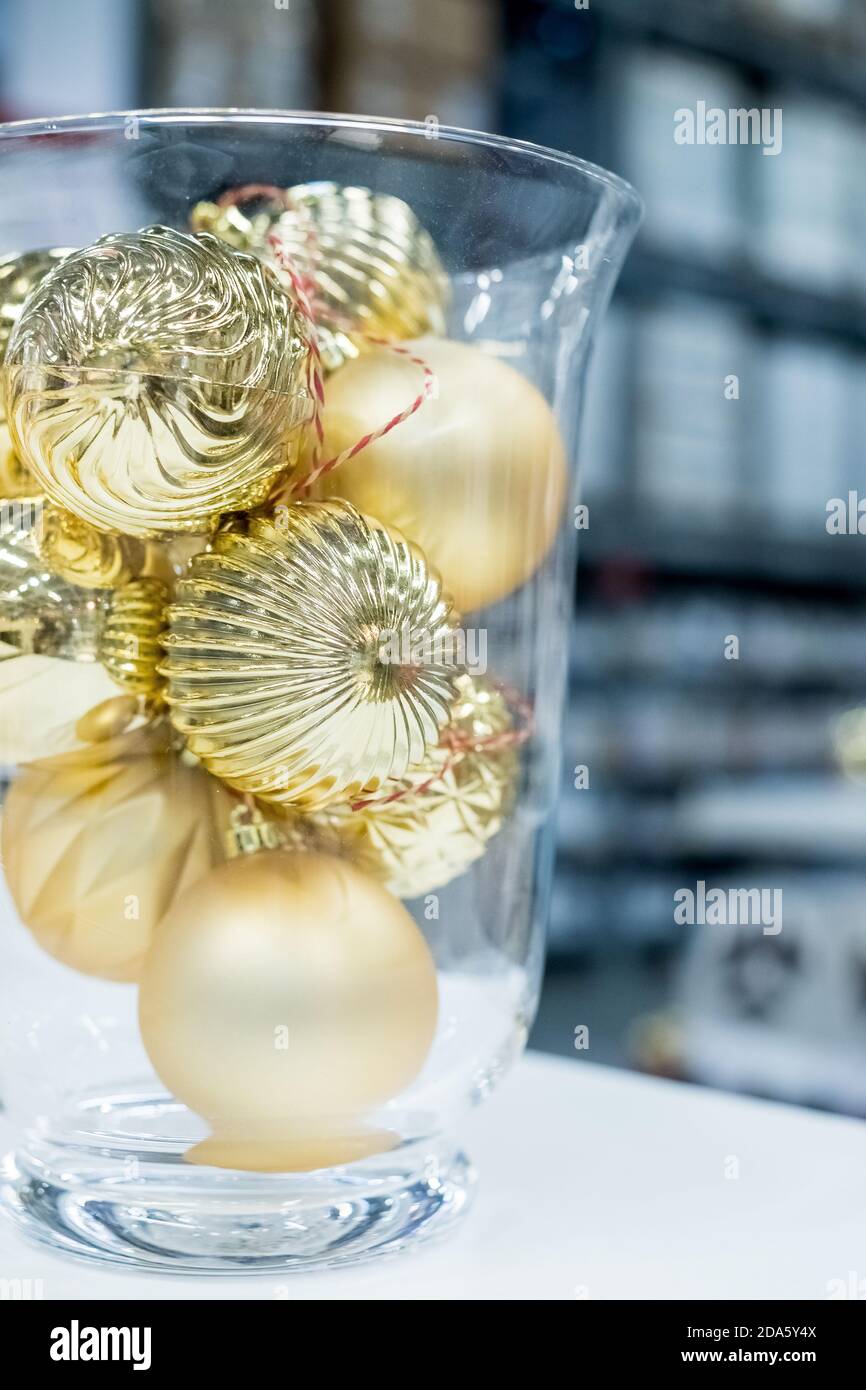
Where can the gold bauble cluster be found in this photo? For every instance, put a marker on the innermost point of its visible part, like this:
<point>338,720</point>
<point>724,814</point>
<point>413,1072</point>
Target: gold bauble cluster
<point>233,685</point>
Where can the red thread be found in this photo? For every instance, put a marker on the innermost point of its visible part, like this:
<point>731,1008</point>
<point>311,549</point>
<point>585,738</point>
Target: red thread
<point>305,287</point>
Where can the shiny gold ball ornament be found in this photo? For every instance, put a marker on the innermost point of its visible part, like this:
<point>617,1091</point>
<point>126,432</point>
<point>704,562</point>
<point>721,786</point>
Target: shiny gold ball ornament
<point>97,844</point>
<point>371,267</point>
<point>284,998</point>
<point>282,671</point>
<point>477,477</point>
<point>45,614</point>
<point>426,829</point>
<point>155,380</point>
<point>130,648</point>
<point>19,276</point>
<point>74,550</point>
<point>16,481</point>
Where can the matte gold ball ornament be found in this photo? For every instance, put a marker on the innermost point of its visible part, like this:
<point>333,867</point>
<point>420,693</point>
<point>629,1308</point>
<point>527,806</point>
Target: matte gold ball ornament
<point>283,999</point>
<point>278,655</point>
<point>155,380</point>
<point>477,477</point>
<point>371,268</point>
<point>98,842</point>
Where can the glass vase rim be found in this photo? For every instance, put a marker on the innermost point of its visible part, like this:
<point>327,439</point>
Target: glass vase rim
<point>627,195</point>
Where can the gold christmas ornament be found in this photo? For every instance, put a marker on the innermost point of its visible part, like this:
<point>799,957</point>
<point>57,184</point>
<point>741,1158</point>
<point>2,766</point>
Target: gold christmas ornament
<point>371,268</point>
<point>281,673</point>
<point>98,843</point>
<point>108,720</point>
<point>431,825</point>
<point>44,614</point>
<point>477,477</point>
<point>19,276</point>
<point>130,647</point>
<point>74,550</point>
<point>283,998</point>
<point>16,481</point>
<point>155,380</point>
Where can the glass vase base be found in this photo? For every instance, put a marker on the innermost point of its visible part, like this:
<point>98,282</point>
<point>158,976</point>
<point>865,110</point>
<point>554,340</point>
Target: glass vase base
<point>149,1210</point>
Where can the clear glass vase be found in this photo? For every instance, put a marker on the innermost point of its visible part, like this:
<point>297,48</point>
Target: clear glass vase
<point>532,242</point>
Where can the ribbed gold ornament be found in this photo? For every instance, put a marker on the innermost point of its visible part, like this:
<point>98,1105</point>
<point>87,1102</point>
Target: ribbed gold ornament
<point>427,828</point>
<point>155,380</point>
<point>129,647</point>
<point>277,667</point>
<point>371,266</point>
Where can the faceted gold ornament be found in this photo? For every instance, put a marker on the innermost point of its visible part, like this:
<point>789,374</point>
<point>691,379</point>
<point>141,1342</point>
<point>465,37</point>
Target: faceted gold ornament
<point>99,842</point>
<point>44,614</point>
<point>283,672</point>
<point>427,828</point>
<point>155,380</point>
<point>372,267</point>
<point>284,997</point>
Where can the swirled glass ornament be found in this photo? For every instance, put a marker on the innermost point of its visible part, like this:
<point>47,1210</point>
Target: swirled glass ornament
<point>155,380</point>
<point>282,669</point>
<point>419,833</point>
<point>371,268</point>
<point>19,276</point>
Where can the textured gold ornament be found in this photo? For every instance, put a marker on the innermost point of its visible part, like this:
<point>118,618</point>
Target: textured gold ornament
<point>477,477</point>
<point>427,828</point>
<point>155,380</point>
<point>279,674</point>
<point>372,267</point>
<point>130,647</point>
<point>98,843</point>
<point>283,998</point>
<point>16,481</point>
<point>40,612</point>
<point>78,552</point>
<point>19,276</point>
<point>45,614</point>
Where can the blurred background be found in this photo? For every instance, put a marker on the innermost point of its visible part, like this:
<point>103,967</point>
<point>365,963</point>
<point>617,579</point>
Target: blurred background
<point>727,407</point>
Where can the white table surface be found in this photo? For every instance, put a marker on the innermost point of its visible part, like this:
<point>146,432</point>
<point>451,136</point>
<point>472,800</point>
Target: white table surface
<point>594,1184</point>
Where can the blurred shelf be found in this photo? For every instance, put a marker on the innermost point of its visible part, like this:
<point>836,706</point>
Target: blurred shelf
<point>810,819</point>
<point>824,58</point>
<point>652,271</point>
<point>686,544</point>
